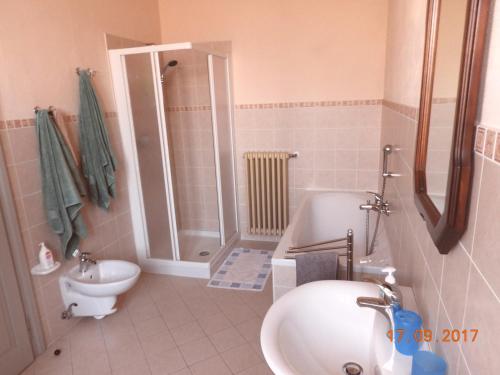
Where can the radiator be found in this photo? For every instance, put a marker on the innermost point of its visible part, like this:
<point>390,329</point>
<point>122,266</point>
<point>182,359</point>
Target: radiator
<point>267,179</point>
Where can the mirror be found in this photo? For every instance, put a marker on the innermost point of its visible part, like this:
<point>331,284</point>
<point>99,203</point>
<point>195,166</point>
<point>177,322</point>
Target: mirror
<point>454,46</point>
<point>450,34</point>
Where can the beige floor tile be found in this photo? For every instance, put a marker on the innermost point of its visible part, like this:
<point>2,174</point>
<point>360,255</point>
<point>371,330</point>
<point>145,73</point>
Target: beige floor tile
<point>197,351</point>
<point>90,361</point>
<point>185,371</point>
<point>250,329</point>
<point>176,316</point>
<point>138,368</point>
<point>237,312</point>
<point>227,339</point>
<point>157,344</point>
<point>261,369</point>
<point>211,366</point>
<point>202,306</point>
<point>186,333</point>
<point>165,361</point>
<point>116,337</point>
<point>161,327</point>
<point>126,356</point>
<point>241,358</point>
<point>214,323</point>
<point>143,312</point>
<point>151,327</point>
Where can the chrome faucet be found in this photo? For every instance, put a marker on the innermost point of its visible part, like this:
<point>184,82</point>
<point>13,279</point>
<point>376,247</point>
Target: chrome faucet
<point>85,260</point>
<point>378,206</point>
<point>390,298</point>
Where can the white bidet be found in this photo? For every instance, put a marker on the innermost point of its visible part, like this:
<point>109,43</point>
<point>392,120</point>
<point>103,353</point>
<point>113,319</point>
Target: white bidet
<point>94,292</point>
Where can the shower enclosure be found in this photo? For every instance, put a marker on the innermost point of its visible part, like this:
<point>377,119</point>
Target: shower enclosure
<point>174,110</point>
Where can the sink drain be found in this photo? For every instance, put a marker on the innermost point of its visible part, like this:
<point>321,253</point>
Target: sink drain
<point>351,368</point>
<point>204,253</point>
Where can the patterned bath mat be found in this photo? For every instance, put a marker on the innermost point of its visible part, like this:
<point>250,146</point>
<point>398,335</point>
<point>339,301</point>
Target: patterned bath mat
<point>243,269</point>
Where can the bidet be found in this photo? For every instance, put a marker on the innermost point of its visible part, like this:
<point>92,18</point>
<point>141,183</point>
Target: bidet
<point>95,289</point>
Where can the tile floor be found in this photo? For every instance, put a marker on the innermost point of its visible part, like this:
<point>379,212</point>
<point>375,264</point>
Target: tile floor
<point>167,325</point>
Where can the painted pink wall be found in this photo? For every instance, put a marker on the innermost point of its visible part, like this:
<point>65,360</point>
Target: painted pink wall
<point>41,45</point>
<point>48,39</point>
<point>290,50</point>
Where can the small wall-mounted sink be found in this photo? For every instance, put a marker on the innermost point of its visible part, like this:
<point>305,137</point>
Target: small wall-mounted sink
<point>318,328</point>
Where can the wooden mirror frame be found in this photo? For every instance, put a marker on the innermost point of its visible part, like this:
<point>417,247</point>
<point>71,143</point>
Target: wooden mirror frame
<point>447,228</point>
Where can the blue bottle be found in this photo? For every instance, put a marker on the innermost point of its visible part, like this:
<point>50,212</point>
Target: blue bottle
<point>406,326</point>
<point>428,363</point>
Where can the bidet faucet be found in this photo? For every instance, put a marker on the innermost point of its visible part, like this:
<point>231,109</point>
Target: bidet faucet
<point>85,260</point>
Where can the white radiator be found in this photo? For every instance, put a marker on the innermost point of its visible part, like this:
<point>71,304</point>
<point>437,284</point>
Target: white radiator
<point>267,179</point>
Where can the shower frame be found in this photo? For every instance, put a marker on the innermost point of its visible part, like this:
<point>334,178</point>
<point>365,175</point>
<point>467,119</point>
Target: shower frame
<point>176,266</point>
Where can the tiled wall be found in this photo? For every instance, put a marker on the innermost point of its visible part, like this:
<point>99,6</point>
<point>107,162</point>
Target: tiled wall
<point>338,145</point>
<point>110,233</point>
<point>460,290</point>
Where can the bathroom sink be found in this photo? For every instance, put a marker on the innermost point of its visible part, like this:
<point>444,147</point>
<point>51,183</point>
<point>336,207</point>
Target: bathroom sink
<point>318,328</point>
<point>107,277</point>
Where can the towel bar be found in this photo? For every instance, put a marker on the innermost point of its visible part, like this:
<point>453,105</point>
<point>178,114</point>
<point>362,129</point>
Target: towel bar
<point>299,250</point>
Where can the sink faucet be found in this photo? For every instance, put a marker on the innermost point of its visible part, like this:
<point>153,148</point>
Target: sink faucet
<point>85,260</point>
<point>391,298</point>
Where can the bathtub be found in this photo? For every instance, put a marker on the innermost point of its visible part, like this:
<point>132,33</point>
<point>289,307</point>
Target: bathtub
<point>324,216</point>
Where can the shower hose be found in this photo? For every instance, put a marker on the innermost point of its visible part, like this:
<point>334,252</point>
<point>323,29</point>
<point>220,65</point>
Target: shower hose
<point>371,245</point>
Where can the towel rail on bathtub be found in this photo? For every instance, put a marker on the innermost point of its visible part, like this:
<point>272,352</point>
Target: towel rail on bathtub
<point>317,244</point>
<point>299,250</point>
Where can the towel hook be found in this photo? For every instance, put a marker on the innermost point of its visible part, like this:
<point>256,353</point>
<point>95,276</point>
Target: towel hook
<point>51,109</point>
<point>91,72</point>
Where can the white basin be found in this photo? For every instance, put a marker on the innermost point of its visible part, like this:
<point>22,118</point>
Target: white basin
<point>318,327</point>
<point>107,277</point>
<point>94,292</point>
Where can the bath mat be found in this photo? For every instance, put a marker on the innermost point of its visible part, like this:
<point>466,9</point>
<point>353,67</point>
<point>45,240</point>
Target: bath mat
<point>243,269</point>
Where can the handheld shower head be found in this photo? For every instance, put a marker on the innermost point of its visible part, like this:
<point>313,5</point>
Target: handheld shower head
<point>170,64</point>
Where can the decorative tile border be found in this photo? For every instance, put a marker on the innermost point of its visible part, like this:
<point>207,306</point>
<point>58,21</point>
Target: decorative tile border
<point>480,136</point>
<point>25,123</point>
<point>487,142</point>
<point>193,108</point>
<point>443,100</point>
<point>405,110</point>
<point>489,145</point>
<point>326,103</point>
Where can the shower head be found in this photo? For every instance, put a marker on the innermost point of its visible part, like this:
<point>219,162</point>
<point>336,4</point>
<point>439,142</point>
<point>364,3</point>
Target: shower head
<point>170,64</point>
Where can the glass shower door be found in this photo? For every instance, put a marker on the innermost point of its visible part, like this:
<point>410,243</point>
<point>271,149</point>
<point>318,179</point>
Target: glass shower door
<point>150,154</point>
<point>223,140</point>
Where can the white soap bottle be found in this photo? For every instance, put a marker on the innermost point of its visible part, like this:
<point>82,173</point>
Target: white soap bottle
<point>45,257</point>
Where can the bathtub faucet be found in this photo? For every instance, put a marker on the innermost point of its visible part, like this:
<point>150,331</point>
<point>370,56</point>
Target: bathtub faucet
<point>378,206</point>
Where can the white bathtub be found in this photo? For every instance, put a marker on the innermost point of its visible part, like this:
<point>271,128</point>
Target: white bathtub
<point>324,216</point>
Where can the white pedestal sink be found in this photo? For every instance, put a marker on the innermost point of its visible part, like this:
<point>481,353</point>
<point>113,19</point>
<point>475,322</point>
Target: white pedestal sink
<point>317,328</point>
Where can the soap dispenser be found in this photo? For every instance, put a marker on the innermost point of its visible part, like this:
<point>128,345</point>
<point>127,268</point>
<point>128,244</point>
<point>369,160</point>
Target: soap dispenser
<point>45,257</point>
<point>389,278</point>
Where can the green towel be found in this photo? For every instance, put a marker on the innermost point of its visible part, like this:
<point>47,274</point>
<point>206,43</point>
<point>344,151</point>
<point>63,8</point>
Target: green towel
<point>62,186</point>
<point>97,158</point>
